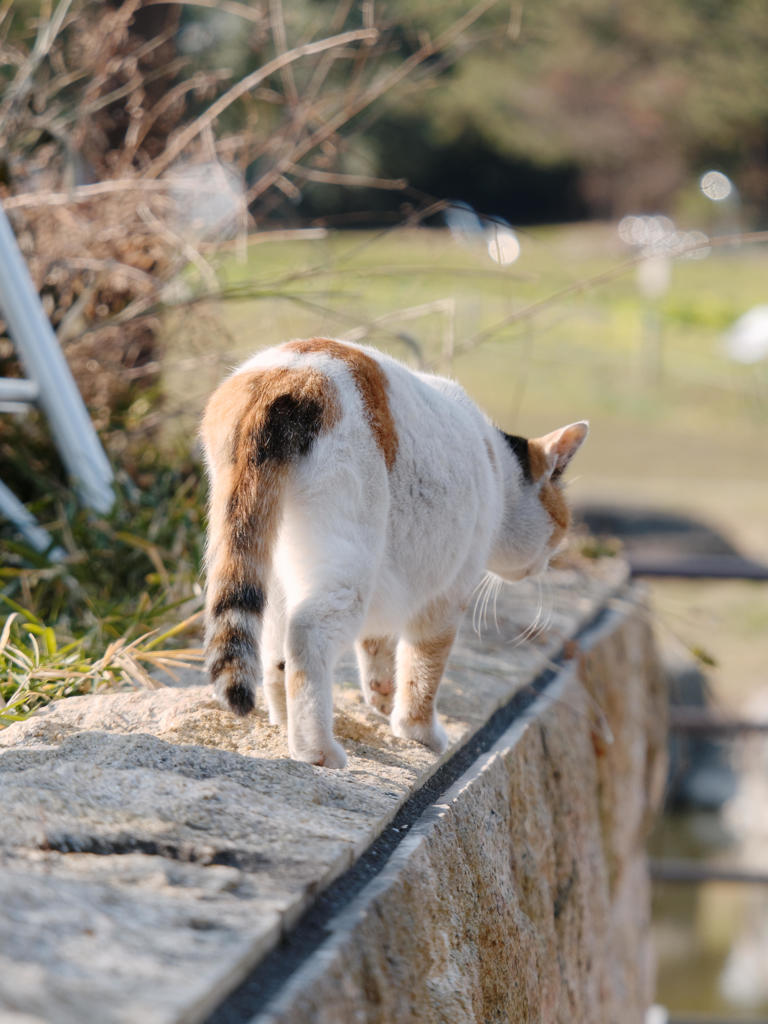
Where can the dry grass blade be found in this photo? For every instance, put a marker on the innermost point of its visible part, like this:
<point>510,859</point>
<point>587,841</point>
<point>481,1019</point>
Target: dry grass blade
<point>47,32</point>
<point>4,636</point>
<point>33,674</point>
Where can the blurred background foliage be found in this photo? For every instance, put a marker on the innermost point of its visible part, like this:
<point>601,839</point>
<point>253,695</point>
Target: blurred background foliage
<point>616,105</point>
<point>540,113</point>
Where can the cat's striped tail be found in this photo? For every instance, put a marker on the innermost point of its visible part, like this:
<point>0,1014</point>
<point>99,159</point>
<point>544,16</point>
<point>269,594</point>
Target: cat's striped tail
<point>256,425</point>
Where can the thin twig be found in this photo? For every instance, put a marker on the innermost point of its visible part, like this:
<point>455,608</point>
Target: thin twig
<point>367,96</point>
<point>277,21</point>
<point>84,193</point>
<point>46,34</point>
<point>225,6</point>
<point>347,180</point>
<point>197,81</point>
<point>178,143</point>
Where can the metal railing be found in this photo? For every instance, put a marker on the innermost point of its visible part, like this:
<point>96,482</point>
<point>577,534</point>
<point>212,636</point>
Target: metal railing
<point>50,385</point>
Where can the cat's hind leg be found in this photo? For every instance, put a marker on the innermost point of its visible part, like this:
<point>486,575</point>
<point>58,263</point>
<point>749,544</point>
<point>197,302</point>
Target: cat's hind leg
<point>376,664</point>
<point>273,656</point>
<point>319,629</point>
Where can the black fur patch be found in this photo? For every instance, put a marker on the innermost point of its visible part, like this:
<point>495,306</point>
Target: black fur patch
<point>519,446</point>
<point>240,698</point>
<point>235,646</point>
<point>245,597</point>
<point>281,666</point>
<point>288,430</point>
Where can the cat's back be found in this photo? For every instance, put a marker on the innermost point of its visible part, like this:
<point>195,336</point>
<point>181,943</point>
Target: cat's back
<point>410,417</point>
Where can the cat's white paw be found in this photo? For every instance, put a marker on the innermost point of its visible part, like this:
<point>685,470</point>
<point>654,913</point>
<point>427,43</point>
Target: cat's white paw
<point>330,755</point>
<point>278,715</point>
<point>430,734</point>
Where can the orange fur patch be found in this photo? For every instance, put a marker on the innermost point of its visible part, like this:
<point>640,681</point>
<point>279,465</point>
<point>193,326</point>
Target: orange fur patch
<point>550,495</point>
<point>296,682</point>
<point>373,644</point>
<point>372,384</point>
<point>556,507</point>
<point>423,666</point>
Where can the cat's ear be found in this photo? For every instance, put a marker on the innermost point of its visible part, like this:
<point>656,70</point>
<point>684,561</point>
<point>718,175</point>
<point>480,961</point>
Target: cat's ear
<point>558,448</point>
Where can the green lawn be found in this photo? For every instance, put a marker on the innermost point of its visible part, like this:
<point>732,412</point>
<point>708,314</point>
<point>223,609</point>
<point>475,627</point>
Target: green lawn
<point>547,355</point>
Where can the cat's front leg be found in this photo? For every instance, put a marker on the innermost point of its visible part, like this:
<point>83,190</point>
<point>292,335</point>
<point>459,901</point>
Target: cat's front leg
<point>376,663</point>
<point>420,663</point>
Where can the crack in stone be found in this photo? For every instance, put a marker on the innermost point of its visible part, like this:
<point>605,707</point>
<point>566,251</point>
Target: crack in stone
<point>69,842</point>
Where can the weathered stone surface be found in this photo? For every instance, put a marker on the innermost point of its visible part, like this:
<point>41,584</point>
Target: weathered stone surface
<point>154,847</point>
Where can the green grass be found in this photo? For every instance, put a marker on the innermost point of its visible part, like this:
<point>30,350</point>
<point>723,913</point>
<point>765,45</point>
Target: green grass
<point>591,348</point>
<point>538,343</point>
<point>35,668</point>
<point>126,590</point>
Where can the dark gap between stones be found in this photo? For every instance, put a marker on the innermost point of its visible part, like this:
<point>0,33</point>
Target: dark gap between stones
<point>67,842</point>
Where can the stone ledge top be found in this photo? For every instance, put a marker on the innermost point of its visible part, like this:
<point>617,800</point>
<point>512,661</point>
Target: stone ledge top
<point>155,847</point>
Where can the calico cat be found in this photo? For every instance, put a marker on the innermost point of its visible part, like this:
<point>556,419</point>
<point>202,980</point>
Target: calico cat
<point>353,500</point>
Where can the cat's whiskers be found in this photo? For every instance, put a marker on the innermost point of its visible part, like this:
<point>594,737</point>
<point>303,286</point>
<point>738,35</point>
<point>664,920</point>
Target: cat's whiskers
<point>478,594</point>
<point>488,593</point>
<point>532,628</point>
<point>545,591</point>
<point>486,598</point>
<point>498,584</point>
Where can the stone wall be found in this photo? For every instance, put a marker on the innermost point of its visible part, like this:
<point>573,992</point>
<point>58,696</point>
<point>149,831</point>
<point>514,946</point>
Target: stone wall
<point>157,852</point>
<point>523,894</point>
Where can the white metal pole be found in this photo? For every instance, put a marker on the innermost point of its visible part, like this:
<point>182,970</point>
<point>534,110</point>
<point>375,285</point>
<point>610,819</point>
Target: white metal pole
<point>45,364</point>
<point>27,525</point>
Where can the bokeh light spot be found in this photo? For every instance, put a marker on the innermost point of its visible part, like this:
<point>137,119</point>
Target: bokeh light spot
<point>503,246</point>
<point>716,186</point>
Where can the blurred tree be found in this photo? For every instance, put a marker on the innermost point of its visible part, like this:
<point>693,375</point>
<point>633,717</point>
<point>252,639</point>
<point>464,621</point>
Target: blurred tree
<point>558,109</point>
<point>633,97</point>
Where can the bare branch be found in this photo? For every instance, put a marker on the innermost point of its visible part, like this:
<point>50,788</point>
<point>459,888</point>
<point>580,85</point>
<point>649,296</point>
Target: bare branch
<point>358,180</point>
<point>226,6</point>
<point>83,193</point>
<point>198,81</point>
<point>5,7</point>
<point>374,91</point>
<point>281,47</point>
<point>206,271</point>
<point>533,309</point>
<point>178,144</point>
